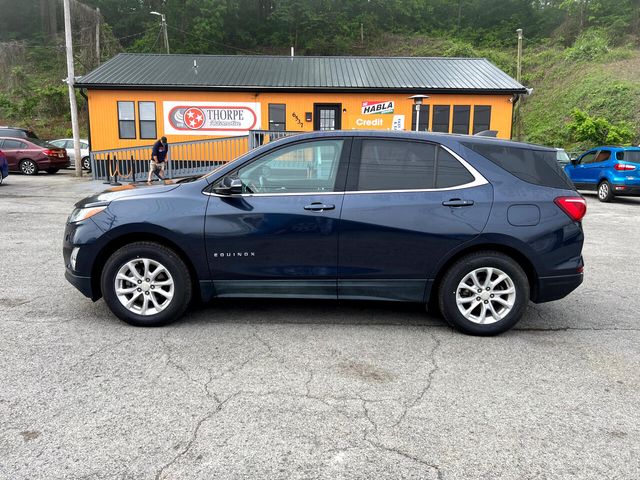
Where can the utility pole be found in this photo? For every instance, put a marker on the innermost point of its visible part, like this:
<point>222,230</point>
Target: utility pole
<point>516,113</point>
<point>98,35</point>
<point>519,68</point>
<point>361,33</point>
<point>70,82</point>
<point>166,35</point>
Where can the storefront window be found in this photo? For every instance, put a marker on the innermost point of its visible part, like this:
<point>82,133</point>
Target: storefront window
<point>424,118</point>
<point>147,111</point>
<point>461,117</point>
<point>481,118</point>
<point>441,118</point>
<point>126,120</point>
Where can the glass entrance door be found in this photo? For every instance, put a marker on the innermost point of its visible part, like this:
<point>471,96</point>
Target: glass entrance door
<point>327,116</point>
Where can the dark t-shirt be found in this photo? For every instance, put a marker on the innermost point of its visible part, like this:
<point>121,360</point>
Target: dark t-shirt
<point>159,150</point>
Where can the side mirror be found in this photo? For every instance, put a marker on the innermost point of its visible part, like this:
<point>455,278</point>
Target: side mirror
<point>229,186</point>
<point>574,161</point>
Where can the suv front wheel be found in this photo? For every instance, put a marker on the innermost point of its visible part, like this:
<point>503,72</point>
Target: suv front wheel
<point>146,284</point>
<point>484,293</point>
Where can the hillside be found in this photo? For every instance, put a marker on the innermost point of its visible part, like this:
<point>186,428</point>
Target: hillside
<point>601,81</point>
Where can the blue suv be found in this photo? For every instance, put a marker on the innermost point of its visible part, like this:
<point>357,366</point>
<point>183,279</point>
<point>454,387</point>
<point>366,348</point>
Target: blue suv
<point>473,226</point>
<point>610,171</point>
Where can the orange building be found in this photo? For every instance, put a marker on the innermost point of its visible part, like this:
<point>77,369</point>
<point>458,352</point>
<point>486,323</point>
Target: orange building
<point>136,98</point>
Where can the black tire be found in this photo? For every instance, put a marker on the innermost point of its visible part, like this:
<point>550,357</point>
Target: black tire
<point>448,290</point>
<point>28,167</point>
<point>183,288</point>
<point>86,163</point>
<point>1,178</point>
<point>605,192</point>
<point>51,171</point>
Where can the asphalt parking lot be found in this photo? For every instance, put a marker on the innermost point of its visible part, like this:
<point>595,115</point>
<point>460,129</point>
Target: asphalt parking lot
<point>311,390</point>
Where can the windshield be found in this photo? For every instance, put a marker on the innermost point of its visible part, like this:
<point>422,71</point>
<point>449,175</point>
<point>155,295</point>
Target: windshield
<point>632,156</point>
<point>562,156</point>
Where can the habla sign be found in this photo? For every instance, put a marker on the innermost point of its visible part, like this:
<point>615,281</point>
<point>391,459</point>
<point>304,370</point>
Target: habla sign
<point>211,118</point>
<point>372,108</point>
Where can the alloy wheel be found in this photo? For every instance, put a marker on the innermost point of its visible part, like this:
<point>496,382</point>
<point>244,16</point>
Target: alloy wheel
<point>603,191</point>
<point>144,286</point>
<point>486,295</point>
<point>28,167</point>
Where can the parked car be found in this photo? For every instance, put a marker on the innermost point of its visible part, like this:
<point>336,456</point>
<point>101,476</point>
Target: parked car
<point>67,144</point>
<point>610,171</point>
<point>563,157</point>
<point>16,132</point>
<point>4,167</point>
<point>473,225</point>
<point>32,155</point>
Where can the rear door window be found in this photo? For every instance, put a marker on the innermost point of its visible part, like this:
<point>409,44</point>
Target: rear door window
<point>396,165</point>
<point>449,171</point>
<point>539,167</point>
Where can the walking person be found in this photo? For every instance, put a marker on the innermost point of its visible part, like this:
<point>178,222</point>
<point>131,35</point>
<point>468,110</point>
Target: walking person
<point>158,158</point>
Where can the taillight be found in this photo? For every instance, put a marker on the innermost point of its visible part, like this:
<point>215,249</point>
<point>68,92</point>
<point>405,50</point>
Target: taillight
<point>50,153</point>
<point>624,167</point>
<point>575,207</point>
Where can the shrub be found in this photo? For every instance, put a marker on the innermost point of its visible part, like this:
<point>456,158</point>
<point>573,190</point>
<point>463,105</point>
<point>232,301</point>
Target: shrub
<point>598,130</point>
<point>590,45</point>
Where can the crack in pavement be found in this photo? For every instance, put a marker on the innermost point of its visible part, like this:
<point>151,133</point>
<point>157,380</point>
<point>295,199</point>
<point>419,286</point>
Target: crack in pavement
<point>98,351</point>
<point>404,454</point>
<point>194,435</point>
<point>427,386</point>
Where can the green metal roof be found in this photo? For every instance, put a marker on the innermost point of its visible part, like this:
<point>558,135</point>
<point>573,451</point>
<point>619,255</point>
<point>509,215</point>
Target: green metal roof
<point>270,73</point>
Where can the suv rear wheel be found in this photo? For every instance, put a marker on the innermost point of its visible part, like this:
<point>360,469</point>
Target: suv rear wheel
<point>484,293</point>
<point>605,192</point>
<point>146,284</point>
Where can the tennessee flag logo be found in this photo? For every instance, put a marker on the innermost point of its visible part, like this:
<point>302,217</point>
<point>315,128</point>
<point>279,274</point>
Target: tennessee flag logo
<point>194,118</point>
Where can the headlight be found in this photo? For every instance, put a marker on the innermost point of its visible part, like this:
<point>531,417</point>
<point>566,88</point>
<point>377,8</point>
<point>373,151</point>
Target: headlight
<point>80,214</point>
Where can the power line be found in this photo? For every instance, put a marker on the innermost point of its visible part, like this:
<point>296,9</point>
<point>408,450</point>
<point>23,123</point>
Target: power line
<point>214,42</point>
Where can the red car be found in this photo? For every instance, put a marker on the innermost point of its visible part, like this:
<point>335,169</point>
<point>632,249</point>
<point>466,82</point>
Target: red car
<point>31,155</point>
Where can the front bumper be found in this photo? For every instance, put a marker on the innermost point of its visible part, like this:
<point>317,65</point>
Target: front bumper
<point>83,284</point>
<point>556,287</point>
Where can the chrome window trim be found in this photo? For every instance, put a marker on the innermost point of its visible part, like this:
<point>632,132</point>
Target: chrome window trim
<point>478,180</point>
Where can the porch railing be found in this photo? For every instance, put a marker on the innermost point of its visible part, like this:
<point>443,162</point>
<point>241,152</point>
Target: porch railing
<point>185,158</point>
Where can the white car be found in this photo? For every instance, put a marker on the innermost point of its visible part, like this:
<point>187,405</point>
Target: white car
<point>67,143</point>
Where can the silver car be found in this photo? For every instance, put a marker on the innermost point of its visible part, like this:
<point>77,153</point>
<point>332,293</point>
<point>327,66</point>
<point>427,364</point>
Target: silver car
<point>67,143</point>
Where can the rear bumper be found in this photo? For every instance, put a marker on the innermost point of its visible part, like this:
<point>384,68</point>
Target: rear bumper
<point>626,190</point>
<point>53,162</point>
<point>557,287</point>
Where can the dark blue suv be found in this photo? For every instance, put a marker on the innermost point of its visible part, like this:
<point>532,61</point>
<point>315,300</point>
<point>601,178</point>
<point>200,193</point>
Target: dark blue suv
<point>610,171</point>
<point>473,226</point>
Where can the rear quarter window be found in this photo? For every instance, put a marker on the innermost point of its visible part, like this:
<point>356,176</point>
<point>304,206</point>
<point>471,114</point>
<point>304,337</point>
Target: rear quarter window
<point>539,167</point>
<point>632,156</point>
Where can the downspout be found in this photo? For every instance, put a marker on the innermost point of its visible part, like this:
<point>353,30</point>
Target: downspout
<point>84,95</point>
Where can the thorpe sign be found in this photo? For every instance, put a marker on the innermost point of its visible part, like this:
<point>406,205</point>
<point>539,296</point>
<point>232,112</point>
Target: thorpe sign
<point>211,118</point>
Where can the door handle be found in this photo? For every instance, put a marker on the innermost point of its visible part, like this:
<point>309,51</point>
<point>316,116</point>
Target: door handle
<point>457,202</point>
<point>319,207</point>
